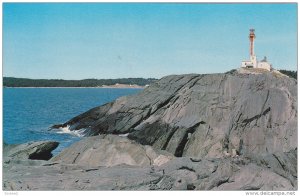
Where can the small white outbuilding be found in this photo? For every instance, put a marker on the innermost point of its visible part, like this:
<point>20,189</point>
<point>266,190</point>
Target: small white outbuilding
<point>253,63</point>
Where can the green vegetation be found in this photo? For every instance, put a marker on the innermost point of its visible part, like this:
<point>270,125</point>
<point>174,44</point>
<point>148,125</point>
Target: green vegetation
<point>292,74</point>
<point>231,71</point>
<point>25,82</point>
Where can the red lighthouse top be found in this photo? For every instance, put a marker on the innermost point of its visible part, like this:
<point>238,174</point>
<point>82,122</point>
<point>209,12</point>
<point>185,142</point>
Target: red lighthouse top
<point>252,37</point>
<point>252,34</point>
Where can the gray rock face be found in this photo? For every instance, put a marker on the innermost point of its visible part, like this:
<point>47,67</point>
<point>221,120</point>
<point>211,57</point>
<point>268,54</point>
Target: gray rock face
<point>111,150</point>
<point>239,173</point>
<point>227,132</point>
<point>201,116</point>
<point>40,150</point>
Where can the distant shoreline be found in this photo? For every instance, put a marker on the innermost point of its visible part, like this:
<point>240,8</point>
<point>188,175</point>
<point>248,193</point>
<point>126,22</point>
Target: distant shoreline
<point>84,87</point>
<point>11,82</point>
<point>108,87</point>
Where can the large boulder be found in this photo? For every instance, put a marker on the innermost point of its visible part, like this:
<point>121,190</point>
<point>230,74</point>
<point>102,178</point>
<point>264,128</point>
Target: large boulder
<point>40,150</point>
<point>111,150</point>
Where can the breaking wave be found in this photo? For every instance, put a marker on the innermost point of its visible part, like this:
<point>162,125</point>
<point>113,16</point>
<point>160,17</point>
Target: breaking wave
<point>66,130</point>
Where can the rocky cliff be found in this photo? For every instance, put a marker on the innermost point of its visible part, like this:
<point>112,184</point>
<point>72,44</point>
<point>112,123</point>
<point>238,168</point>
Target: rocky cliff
<point>234,131</point>
<point>204,115</point>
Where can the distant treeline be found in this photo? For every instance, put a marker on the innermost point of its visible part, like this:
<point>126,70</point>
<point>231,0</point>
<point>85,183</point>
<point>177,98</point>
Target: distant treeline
<point>292,74</point>
<point>25,82</point>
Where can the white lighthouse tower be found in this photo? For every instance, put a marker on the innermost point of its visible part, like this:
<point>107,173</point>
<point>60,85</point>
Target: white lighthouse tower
<point>252,63</point>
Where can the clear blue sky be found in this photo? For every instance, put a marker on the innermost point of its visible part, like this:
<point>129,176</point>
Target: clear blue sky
<point>77,41</point>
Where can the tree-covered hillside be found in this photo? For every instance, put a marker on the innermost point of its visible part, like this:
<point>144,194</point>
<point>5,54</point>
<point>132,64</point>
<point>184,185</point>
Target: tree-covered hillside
<point>25,82</point>
<point>292,74</point>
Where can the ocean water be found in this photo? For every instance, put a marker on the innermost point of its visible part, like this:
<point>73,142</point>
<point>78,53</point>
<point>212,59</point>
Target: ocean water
<point>28,113</point>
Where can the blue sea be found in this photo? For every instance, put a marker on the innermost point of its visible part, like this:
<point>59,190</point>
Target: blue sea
<point>28,113</point>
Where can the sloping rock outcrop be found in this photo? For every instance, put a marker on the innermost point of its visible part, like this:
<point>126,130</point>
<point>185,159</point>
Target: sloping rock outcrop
<point>211,116</point>
<point>111,150</point>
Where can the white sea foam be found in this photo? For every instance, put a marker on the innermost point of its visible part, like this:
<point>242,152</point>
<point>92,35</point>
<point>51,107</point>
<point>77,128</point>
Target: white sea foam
<point>124,135</point>
<point>66,130</point>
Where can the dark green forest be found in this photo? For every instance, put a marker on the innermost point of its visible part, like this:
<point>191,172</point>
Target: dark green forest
<point>292,74</point>
<point>25,82</point>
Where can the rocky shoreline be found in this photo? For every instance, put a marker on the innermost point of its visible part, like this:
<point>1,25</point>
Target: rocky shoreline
<point>145,169</point>
<point>234,131</point>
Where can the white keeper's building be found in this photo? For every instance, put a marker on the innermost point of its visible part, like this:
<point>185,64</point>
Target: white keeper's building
<point>253,63</point>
